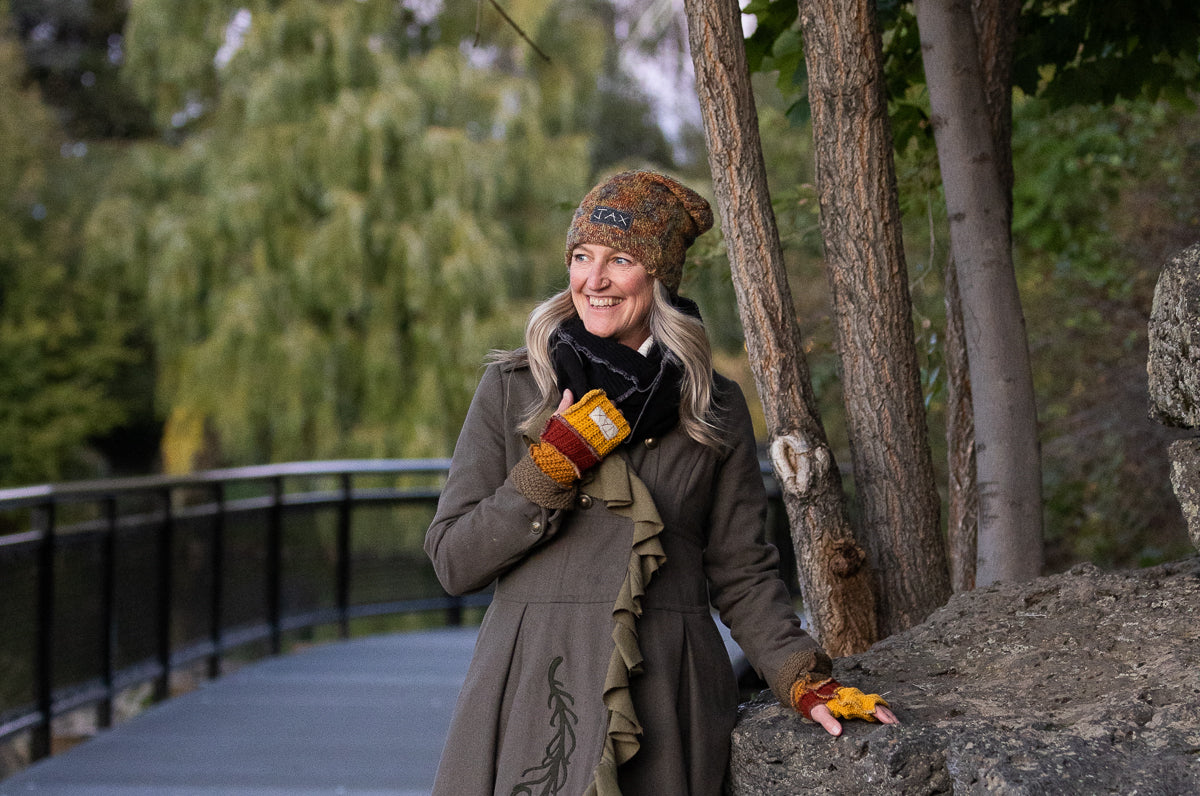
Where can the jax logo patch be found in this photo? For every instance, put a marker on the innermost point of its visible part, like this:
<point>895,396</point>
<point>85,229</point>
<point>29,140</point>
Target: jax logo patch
<point>613,218</point>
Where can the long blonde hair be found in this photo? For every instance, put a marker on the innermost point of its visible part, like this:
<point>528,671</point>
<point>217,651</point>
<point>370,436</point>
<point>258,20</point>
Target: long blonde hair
<point>679,333</point>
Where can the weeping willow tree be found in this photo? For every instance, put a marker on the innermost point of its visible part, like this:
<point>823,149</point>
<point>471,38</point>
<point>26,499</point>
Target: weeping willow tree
<point>351,205</point>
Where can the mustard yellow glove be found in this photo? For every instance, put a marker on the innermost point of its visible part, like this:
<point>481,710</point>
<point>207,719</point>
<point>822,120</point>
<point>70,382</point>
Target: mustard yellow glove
<point>850,703</point>
<point>579,438</point>
<point>843,703</point>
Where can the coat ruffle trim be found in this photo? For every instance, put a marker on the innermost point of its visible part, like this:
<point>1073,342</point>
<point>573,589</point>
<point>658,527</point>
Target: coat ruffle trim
<point>625,495</point>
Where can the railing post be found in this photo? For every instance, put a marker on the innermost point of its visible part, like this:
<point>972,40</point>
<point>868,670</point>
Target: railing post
<point>108,599</point>
<point>44,653</point>
<point>217,588</point>
<point>275,565</point>
<point>166,586</point>
<point>343,555</point>
<point>454,617</point>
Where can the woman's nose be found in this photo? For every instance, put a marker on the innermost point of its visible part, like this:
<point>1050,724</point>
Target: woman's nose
<point>598,277</point>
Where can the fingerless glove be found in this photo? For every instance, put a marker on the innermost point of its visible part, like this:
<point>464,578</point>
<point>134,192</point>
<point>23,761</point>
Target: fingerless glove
<point>843,702</point>
<point>579,438</point>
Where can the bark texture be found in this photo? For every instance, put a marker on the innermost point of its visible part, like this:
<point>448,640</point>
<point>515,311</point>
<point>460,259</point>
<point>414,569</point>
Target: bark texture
<point>867,273</point>
<point>962,489</point>
<point>835,583</point>
<point>996,32</point>
<point>1007,454</point>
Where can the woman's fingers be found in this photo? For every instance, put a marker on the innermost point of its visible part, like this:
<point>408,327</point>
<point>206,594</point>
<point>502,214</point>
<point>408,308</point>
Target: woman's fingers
<point>886,716</point>
<point>821,715</point>
<point>566,402</point>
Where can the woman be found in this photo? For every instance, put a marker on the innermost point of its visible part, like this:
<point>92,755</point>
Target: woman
<point>606,480</point>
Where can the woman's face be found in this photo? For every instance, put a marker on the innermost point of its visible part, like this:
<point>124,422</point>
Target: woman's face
<point>612,293</point>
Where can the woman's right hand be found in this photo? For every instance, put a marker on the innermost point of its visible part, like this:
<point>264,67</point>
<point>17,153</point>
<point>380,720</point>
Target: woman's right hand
<point>578,436</point>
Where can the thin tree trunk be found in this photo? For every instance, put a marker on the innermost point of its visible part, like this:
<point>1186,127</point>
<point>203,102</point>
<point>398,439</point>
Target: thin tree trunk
<point>996,33</point>
<point>835,583</point>
<point>962,492</point>
<point>868,277</point>
<point>1007,455</point>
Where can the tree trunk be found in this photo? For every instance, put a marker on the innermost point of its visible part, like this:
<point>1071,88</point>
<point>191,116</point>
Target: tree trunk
<point>1007,455</point>
<point>962,489</point>
<point>868,277</point>
<point>834,581</point>
<point>996,33</point>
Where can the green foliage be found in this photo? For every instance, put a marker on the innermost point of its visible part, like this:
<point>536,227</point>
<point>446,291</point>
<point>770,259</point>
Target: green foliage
<point>1105,187</point>
<point>1096,51</point>
<point>776,46</point>
<point>1068,53</point>
<point>354,214</point>
<point>61,347</point>
<point>1103,197</point>
<point>73,50</point>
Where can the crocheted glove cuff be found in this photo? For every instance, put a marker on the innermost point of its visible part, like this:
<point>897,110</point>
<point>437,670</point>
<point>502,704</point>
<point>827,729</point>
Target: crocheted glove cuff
<point>808,693</point>
<point>578,438</point>
<point>532,482</point>
<point>843,702</point>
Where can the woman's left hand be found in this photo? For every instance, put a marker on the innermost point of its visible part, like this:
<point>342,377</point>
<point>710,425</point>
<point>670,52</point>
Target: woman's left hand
<point>821,715</point>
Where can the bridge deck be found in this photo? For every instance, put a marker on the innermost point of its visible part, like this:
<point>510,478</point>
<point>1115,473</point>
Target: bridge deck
<point>365,717</point>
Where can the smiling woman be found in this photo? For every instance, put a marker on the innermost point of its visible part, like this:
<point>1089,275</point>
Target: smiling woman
<point>607,481</point>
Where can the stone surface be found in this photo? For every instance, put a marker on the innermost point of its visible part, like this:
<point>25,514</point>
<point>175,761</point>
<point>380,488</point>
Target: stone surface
<point>1185,478</point>
<point>1086,682</point>
<point>1173,364</point>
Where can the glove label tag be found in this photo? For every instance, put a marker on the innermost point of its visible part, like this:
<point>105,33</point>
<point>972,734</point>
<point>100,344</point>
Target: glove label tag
<point>607,427</point>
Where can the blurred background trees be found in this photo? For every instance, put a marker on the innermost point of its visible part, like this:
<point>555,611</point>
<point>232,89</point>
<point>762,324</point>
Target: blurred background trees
<point>241,232</point>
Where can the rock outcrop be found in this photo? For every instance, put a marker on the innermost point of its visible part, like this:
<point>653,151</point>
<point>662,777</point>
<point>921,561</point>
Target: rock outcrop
<point>1086,682</point>
<point>1173,367</point>
<point>1083,683</point>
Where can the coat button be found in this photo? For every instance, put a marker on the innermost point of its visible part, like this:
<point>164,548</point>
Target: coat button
<point>535,527</point>
<point>585,501</point>
<point>651,443</point>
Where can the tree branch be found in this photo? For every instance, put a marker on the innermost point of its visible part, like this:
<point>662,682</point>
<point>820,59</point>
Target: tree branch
<point>513,24</point>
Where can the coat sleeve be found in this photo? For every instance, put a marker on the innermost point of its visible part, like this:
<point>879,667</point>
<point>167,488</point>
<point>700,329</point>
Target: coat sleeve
<point>743,568</point>
<point>484,522</point>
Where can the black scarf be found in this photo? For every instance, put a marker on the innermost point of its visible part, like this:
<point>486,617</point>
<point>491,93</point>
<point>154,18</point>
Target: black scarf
<point>644,388</point>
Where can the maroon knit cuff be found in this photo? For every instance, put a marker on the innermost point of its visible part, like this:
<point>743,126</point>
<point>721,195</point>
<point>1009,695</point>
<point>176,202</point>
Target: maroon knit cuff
<point>818,696</point>
<point>561,435</point>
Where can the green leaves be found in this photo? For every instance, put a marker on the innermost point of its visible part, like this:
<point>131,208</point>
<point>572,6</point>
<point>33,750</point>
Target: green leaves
<point>347,227</point>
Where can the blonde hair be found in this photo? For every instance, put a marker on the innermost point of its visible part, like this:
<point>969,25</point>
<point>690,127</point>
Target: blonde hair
<point>676,331</point>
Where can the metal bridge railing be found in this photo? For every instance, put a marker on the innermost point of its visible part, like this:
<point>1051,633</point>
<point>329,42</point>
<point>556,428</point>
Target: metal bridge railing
<point>107,585</point>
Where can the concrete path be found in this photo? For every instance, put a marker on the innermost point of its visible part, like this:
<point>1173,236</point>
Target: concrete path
<point>365,717</point>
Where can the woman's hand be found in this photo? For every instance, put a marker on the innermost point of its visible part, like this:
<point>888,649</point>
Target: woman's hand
<point>578,436</point>
<point>826,700</point>
<point>821,715</point>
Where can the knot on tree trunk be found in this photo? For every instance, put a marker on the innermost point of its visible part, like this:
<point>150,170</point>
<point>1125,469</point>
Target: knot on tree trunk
<point>798,463</point>
<point>847,559</point>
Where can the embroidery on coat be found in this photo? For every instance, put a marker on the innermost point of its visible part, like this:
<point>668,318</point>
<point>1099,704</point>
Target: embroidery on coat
<point>549,777</point>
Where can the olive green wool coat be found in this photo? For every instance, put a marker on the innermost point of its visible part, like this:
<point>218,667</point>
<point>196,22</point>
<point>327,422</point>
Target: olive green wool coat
<point>598,667</point>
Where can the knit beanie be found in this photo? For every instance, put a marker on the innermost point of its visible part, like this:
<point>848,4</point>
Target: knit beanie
<point>651,216</point>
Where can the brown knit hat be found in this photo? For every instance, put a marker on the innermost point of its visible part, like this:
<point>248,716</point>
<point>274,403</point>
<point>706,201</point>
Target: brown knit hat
<point>649,215</point>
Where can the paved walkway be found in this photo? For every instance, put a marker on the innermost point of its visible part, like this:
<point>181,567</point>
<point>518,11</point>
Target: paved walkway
<point>365,717</point>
